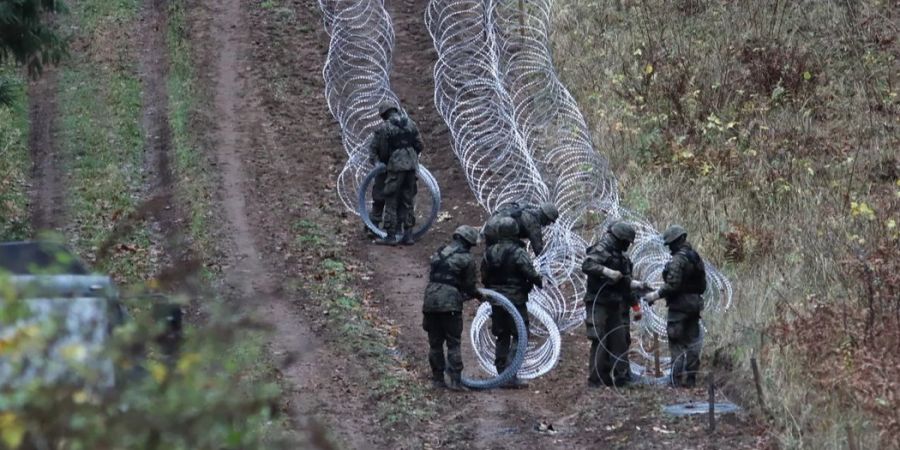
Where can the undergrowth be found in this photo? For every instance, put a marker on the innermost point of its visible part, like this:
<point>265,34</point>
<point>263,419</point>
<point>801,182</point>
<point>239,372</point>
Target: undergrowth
<point>770,130</point>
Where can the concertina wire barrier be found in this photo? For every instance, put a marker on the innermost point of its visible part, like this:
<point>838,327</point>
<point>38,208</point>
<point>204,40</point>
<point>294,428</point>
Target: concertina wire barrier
<point>519,136</point>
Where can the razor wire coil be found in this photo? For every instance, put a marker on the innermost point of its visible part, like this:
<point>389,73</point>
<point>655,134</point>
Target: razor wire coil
<point>518,134</point>
<point>495,61</point>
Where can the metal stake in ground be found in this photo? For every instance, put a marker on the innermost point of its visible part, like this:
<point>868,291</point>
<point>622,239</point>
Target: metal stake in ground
<point>712,404</point>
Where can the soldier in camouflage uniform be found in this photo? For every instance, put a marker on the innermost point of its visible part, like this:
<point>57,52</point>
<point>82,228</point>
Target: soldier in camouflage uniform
<point>451,281</point>
<point>530,220</point>
<point>507,269</point>
<point>396,144</point>
<point>607,299</point>
<point>685,283</point>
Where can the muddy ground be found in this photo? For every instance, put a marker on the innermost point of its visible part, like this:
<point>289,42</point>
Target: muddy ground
<point>276,152</point>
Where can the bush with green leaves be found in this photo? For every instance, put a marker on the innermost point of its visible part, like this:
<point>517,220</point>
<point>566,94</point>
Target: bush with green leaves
<point>211,393</point>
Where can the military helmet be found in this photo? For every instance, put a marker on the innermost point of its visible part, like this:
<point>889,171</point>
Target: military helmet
<point>549,211</point>
<point>507,228</point>
<point>673,233</point>
<point>385,107</point>
<point>467,233</point>
<point>623,231</point>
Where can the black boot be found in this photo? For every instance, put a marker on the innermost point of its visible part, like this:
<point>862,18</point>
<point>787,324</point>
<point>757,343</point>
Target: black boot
<point>407,238</point>
<point>390,239</point>
<point>455,384</point>
<point>437,380</point>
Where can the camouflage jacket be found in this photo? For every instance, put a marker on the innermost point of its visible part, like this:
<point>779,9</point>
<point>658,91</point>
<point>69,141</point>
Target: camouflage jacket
<point>451,280</point>
<point>600,288</point>
<point>685,281</point>
<point>528,219</point>
<point>507,269</point>
<point>396,143</point>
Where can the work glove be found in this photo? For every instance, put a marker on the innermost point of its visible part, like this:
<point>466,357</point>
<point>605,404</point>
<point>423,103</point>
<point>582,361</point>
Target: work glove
<point>614,275</point>
<point>651,297</point>
<point>641,285</point>
<point>637,312</point>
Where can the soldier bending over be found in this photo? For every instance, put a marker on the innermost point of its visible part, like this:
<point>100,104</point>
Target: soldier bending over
<point>507,269</point>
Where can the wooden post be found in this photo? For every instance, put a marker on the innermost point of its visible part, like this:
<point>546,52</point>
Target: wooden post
<point>712,404</point>
<point>757,380</point>
<point>851,438</point>
<point>656,355</point>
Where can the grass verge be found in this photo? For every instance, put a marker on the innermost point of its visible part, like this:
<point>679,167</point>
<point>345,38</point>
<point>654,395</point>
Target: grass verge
<point>101,136</point>
<point>768,129</point>
<point>14,160</point>
<point>329,282</point>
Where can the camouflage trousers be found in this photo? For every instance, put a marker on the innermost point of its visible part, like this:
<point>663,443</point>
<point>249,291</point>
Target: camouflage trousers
<point>399,201</point>
<point>503,327</point>
<point>444,327</point>
<point>685,344</point>
<point>608,363</point>
<point>378,198</point>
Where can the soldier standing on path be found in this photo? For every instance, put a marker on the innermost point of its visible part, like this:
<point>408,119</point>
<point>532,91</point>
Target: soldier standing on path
<point>396,143</point>
<point>685,283</point>
<point>530,219</point>
<point>507,268</point>
<point>451,281</point>
<point>608,296</point>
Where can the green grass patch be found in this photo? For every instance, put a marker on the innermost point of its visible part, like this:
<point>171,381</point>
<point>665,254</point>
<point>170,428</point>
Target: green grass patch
<point>194,183</point>
<point>101,138</point>
<point>14,160</point>
<point>330,283</point>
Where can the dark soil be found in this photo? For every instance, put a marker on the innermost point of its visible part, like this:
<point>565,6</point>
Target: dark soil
<point>47,181</point>
<point>159,181</point>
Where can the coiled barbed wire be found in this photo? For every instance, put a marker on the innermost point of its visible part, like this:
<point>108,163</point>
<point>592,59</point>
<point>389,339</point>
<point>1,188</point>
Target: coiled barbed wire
<point>357,79</point>
<point>471,98</point>
<point>516,130</point>
<point>505,53</point>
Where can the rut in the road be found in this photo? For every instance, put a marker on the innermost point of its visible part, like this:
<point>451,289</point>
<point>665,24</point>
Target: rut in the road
<point>159,181</point>
<point>47,180</point>
<point>259,191</point>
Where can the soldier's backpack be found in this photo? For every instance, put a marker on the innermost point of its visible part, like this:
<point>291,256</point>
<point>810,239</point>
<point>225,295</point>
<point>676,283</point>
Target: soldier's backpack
<point>441,271</point>
<point>513,210</point>
<point>690,300</point>
<point>403,154</point>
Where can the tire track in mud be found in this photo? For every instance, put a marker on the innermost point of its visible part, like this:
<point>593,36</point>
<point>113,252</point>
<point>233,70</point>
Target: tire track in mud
<point>47,192</point>
<point>259,196</point>
<point>159,180</point>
